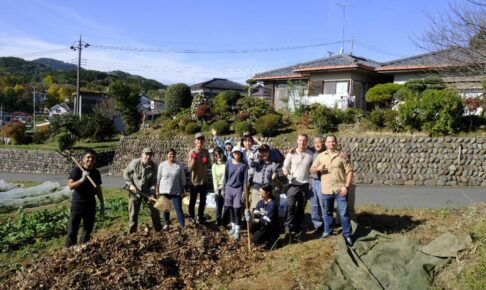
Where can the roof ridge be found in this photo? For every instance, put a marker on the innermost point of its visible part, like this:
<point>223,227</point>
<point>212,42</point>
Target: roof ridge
<point>418,56</point>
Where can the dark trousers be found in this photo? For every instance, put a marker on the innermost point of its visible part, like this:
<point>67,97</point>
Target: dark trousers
<point>134,204</point>
<point>177,204</point>
<point>221,212</point>
<point>296,200</point>
<point>203,191</point>
<point>264,233</point>
<point>85,211</point>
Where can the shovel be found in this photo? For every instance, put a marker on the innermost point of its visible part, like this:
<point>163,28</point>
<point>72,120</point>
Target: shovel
<point>162,203</point>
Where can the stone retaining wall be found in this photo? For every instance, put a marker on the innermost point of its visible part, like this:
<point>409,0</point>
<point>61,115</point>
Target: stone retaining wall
<point>377,160</point>
<point>43,161</point>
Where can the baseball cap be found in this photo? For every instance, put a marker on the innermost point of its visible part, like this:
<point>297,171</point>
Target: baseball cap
<point>198,135</point>
<point>147,150</point>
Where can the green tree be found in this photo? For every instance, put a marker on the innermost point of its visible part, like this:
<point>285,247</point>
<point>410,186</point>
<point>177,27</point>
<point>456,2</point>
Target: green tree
<point>8,97</point>
<point>255,106</point>
<point>126,99</point>
<point>65,123</point>
<point>324,118</point>
<point>99,125</point>
<point>177,98</point>
<point>225,102</point>
<point>382,94</point>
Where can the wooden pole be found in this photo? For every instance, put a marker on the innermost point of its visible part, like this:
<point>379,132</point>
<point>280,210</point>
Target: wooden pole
<point>82,169</point>
<point>247,196</point>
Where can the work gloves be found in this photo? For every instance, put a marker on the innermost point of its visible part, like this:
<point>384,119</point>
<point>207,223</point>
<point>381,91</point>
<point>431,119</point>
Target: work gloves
<point>84,176</point>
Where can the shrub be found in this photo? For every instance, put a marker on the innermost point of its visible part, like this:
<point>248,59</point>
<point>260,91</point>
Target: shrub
<point>65,122</point>
<point>350,115</point>
<point>437,111</point>
<point>325,118</point>
<point>255,106</point>
<point>183,118</point>
<point>177,97</point>
<point>242,127</point>
<point>16,132</point>
<point>377,118</point>
<point>65,141</point>
<point>221,127</point>
<point>97,127</point>
<point>242,116</point>
<point>40,136</point>
<point>192,128</point>
<point>201,108</point>
<point>268,125</point>
<point>391,122</point>
<point>441,111</point>
<point>225,101</point>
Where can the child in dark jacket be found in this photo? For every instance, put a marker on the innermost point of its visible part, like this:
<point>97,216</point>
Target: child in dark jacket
<point>265,229</point>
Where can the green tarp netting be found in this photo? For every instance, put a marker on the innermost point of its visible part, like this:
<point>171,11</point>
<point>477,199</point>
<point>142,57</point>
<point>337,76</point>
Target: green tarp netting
<point>380,262</point>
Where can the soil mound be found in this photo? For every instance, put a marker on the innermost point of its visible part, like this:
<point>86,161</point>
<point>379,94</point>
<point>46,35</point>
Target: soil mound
<point>175,259</point>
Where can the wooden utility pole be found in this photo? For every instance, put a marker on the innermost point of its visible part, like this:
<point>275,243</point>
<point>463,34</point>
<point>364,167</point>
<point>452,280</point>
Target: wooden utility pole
<point>77,101</point>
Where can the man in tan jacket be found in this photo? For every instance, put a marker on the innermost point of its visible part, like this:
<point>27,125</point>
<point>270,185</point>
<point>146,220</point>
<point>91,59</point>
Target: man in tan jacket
<point>198,162</point>
<point>336,176</point>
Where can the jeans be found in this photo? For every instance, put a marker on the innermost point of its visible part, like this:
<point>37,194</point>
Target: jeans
<point>177,203</point>
<point>85,211</point>
<point>327,205</point>
<point>317,215</point>
<point>203,191</point>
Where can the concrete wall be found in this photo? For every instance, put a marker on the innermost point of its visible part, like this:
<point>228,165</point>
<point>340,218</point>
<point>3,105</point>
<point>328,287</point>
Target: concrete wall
<point>45,162</point>
<point>377,160</point>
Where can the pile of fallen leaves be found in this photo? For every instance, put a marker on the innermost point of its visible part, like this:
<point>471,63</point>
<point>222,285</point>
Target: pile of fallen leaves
<point>172,259</point>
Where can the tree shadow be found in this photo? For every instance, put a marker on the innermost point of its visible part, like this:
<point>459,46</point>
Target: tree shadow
<point>384,223</point>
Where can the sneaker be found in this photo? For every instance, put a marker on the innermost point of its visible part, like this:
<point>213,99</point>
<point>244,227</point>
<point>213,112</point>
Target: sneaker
<point>236,236</point>
<point>165,227</point>
<point>192,221</point>
<point>325,236</point>
<point>348,240</point>
<point>231,232</point>
<point>315,231</point>
<point>201,221</point>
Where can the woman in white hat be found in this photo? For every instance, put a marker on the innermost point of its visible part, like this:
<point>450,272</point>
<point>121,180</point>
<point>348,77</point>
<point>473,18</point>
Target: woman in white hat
<point>235,181</point>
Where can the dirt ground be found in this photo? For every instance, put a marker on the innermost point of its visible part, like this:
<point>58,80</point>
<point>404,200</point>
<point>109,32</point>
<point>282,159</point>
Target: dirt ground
<point>199,258</point>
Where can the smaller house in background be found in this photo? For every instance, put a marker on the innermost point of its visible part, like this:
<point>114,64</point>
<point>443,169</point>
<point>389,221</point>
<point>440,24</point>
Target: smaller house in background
<point>9,117</point>
<point>89,100</point>
<point>59,109</point>
<point>150,109</point>
<point>214,86</point>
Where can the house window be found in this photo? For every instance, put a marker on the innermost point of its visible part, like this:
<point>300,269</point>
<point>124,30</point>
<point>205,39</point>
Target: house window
<point>336,87</point>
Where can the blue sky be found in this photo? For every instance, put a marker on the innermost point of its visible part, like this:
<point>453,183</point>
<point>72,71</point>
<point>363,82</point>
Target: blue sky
<point>383,30</point>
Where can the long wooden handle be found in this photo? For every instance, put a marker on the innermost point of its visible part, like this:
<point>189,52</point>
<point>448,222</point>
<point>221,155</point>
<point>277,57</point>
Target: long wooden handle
<point>247,191</point>
<point>89,177</point>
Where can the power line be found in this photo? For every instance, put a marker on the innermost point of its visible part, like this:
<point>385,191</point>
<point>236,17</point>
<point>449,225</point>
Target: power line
<point>377,49</point>
<point>42,53</point>
<point>215,51</point>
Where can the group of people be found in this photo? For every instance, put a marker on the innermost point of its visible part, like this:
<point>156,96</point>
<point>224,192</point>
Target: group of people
<point>244,176</point>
